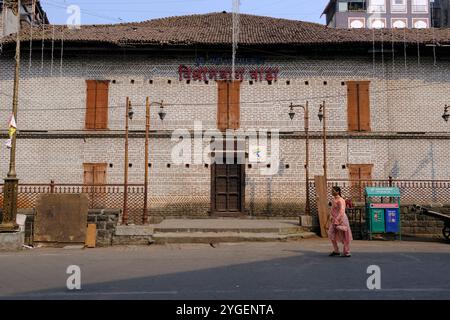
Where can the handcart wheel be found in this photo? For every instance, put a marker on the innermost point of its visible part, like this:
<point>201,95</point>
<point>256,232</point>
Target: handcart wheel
<point>446,232</point>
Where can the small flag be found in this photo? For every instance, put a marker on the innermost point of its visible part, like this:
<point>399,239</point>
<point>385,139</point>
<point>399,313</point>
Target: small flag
<point>12,130</point>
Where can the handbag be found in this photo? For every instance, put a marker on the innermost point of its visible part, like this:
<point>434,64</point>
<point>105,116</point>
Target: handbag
<point>341,227</point>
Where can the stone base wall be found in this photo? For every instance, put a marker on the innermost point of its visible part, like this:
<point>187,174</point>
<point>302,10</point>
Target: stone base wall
<point>106,221</point>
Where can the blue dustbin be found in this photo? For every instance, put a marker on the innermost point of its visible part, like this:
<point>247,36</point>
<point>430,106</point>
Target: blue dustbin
<point>393,220</point>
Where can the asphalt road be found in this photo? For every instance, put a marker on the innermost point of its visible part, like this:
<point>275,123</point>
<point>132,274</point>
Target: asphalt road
<point>292,270</point>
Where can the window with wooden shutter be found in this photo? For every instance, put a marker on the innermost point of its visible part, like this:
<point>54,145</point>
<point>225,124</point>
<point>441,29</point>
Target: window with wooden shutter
<point>358,106</point>
<point>95,173</point>
<point>97,105</point>
<point>360,176</point>
<point>94,180</point>
<point>228,106</point>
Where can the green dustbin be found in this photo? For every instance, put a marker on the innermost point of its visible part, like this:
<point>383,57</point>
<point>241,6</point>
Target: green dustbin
<point>377,223</point>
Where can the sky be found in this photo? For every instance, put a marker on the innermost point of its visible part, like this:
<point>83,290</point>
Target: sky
<point>116,11</point>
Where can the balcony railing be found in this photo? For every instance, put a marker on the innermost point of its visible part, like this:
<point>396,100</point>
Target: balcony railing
<point>398,8</point>
<point>376,8</point>
<point>419,9</point>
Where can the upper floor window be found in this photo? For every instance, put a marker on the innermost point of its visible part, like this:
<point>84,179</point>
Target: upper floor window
<point>358,106</point>
<point>399,23</point>
<point>420,6</point>
<point>420,23</point>
<point>399,6</point>
<point>354,5</point>
<point>228,104</point>
<point>96,105</point>
<point>378,23</point>
<point>356,23</point>
<point>377,6</point>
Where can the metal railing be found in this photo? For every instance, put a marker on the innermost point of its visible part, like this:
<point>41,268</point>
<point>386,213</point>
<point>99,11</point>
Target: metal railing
<point>100,196</point>
<point>412,191</point>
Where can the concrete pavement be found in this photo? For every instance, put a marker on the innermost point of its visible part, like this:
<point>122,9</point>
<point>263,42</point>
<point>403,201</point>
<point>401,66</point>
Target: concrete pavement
<point>290,270</point>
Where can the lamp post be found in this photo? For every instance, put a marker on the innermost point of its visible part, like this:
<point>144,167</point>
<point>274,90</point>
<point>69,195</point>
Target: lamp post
<point>323,119</point>
<point>11,185</point>
<point>162,115</point>
<point>128,116</point>
<point>306,125</point>
<point>446,115</point>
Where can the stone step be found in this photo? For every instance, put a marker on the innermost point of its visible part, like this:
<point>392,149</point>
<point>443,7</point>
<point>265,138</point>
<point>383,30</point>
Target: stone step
<point>231,229</point>
<point>225,237</point>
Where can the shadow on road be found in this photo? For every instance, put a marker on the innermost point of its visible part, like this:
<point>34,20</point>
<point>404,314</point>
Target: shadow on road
<point>306,275</point>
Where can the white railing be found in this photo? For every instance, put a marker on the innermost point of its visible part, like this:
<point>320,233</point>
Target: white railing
<point>376,8</point>
<point>419,9</point>
<point>398,8</point>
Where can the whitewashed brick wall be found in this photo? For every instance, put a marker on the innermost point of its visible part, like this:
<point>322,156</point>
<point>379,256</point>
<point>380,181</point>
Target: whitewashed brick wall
<point>53,99</point>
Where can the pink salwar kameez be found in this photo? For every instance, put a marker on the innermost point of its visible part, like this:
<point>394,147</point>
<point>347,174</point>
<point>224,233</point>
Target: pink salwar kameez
<point>338,217</point>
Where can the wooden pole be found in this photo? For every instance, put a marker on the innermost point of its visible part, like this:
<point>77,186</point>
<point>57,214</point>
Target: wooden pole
<point>125,183</point>
<point>325,143</point>
<point>147,129</point>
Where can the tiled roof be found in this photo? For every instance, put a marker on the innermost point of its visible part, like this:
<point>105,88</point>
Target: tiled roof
<point>216,29</point>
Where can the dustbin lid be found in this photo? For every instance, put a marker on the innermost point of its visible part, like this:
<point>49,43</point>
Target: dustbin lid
<point>382,192</point>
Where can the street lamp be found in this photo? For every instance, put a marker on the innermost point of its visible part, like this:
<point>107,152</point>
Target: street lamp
<point>446,115</point>
<point>306,125</point>
<point>11,186</point>
<point>162,115</point>
<point>323,120</point>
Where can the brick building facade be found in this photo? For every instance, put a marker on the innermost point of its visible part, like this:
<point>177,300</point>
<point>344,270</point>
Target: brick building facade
<point>406,137</point>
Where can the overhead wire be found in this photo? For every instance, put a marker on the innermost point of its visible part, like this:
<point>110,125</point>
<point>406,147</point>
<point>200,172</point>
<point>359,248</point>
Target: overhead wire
<point>321,97</point>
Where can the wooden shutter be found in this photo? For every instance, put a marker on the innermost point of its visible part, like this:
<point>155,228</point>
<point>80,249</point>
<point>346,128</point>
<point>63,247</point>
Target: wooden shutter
<point>88,174</point>
<point>234,93</point>
<point>101,105</point>
<point>365,171</point>
<point>91,100</point>
<point>364,106</point>
<point>360,174</point>
<point>95,173</point>
<point>352,106</point>
<point>100,174</point>
<point>358,105</point>
<point>97,104</point>
<point>222,105</point>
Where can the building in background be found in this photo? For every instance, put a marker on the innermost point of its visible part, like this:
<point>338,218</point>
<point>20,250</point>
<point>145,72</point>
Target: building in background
<point>440,14</point>
<point>31,13</point>
<point>378,14</point>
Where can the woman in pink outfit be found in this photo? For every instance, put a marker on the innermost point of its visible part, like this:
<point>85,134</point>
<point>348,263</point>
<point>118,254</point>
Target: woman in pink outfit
<point>339,230</point>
